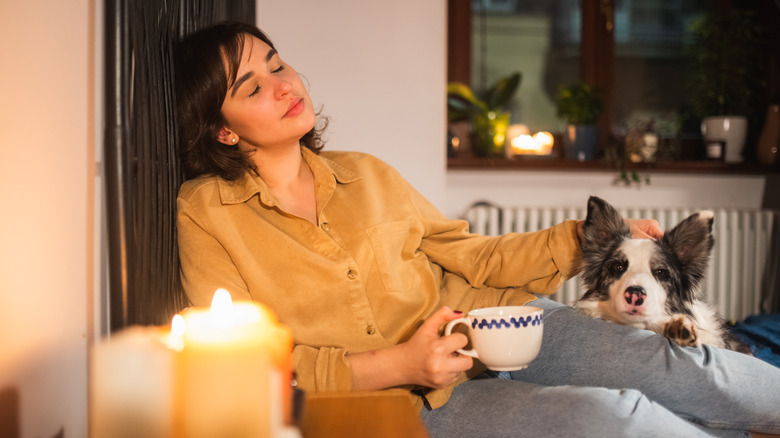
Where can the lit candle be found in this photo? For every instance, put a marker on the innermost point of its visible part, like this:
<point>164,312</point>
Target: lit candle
<point>513,132</point>
<point>233,372</point>
<point>545,140</point>
<point>540,143</point>
<point>131,388</point>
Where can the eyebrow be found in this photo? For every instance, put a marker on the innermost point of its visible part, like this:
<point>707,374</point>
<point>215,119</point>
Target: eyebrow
<point>240,81</point>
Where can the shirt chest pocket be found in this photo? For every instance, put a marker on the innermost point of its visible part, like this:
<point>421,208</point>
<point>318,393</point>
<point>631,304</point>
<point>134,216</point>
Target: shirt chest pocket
<point>395,247</point>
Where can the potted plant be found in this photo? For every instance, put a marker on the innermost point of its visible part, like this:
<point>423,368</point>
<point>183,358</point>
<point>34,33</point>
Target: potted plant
<point>487,113</point>
<point>726,79</point>
<point>580,105</point>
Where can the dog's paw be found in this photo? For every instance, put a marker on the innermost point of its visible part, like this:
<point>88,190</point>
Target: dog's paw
<point>681,330</point>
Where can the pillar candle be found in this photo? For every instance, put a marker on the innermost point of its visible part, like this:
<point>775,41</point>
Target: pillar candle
<point>131,385</point>
<point>233,371</point>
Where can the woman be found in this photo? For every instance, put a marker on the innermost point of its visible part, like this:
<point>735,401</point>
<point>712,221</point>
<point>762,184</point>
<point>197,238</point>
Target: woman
<point>365,272</point>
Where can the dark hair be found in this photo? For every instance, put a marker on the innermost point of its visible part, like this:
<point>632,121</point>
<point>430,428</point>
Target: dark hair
<point>201,86</point>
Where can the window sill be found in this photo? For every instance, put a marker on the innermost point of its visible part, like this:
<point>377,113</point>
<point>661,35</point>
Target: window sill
<point>553,163</point>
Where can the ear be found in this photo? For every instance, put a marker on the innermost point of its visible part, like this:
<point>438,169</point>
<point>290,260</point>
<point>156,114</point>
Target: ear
<point>226,136</point>
<point>692,241</point>
<point>603,223</point>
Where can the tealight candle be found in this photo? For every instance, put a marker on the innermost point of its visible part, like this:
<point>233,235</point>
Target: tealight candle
<point>521,142</point>
<point>545,140</point>
<point>524,145</point>
<point>233,371</point>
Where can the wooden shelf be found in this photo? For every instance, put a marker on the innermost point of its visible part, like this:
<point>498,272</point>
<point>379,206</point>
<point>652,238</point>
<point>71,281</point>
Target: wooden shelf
<point>552,163</point>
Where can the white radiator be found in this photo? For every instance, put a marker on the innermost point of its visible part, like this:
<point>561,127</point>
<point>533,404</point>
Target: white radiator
<point>738,266</point>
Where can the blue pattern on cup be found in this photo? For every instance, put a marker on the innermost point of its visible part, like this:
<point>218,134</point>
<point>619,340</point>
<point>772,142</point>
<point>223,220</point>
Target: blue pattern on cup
<point>503,323</point>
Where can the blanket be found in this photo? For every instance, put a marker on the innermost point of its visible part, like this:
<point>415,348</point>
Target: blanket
<point>762,334</point>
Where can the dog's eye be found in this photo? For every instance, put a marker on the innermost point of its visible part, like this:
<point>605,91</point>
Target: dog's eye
<point>617,267</point>
<point>661,274</point>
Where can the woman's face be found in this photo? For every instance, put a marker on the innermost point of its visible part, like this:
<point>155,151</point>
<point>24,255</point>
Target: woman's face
<point>267,107</point>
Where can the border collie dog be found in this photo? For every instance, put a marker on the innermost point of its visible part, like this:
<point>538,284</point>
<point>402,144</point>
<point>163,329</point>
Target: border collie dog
<point>650,284</point>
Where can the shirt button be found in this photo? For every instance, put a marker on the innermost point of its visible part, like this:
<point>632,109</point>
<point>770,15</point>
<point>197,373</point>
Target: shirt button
<point>370,329</point>
<point>325,226</point>
<point>351,274</point>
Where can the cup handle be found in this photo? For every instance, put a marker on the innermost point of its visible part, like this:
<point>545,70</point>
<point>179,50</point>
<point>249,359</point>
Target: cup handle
<point>448,331</point>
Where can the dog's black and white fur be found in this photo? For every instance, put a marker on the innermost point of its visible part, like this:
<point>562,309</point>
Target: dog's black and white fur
<point>650,284</point>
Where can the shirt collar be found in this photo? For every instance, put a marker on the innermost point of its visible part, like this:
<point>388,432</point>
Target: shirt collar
<point>250,184</point>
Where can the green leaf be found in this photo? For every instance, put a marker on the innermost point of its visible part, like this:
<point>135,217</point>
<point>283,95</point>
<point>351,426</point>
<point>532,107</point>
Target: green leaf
<point>578,104</point>
<point>498,96</point>
<point>462,91</point>
<point>459,109</point>
<point>462,103</point>
<point>458,93</point>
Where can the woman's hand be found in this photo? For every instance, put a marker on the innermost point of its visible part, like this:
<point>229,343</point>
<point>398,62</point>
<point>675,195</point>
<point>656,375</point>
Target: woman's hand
<point>426,359</point>
<point>640,229</point>
<point>432,360</point>
<point>645,228</point>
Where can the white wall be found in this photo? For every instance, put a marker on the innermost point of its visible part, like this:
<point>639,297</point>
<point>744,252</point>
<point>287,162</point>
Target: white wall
<point>46,173</point>
<point>571,189</point>
<point>379,69</point>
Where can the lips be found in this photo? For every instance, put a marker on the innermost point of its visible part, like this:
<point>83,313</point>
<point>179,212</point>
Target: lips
<point>295,108</point>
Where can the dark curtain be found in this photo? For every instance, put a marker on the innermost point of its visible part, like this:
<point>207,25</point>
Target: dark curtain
<point>142,169</point>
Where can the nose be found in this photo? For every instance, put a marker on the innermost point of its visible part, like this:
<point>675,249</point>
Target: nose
<point>282,89</point>
<point>635,295</point>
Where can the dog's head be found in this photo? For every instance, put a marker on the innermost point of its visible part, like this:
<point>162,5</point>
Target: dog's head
<point>637,281</point>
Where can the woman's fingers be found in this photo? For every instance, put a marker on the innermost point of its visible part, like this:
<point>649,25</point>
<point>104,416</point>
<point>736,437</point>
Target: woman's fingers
<point>645,229</point>
<point>434,322</point>
<point>454,341</point>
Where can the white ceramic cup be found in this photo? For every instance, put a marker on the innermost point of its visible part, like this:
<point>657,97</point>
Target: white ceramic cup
<point>732,130</point>
<point>503,338</point>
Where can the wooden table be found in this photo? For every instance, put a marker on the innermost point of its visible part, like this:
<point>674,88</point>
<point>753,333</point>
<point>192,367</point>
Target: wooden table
<point>360,414</point>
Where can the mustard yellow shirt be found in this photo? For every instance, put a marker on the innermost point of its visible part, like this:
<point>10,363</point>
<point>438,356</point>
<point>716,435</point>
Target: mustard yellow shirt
<point>380,260</point>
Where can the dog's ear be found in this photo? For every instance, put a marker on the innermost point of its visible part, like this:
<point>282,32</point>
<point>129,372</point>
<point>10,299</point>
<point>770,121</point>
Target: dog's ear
<point>603,223</point>
<point>692,241</point>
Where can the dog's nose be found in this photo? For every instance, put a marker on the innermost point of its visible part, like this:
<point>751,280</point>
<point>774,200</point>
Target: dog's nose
<point>635,295</point>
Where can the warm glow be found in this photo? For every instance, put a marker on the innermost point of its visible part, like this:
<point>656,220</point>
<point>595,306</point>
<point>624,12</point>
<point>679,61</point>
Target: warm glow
<point>222,309</point>
<point>177,325</point>
<point>540,143</point>
<point>524,143</point>
<point>517,130</point>
<point>544,138</point>
<point>175,340</point>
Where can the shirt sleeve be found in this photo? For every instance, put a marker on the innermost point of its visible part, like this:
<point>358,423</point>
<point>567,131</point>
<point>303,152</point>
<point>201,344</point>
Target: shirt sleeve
<point>538,262</point>
<point>322,369</point>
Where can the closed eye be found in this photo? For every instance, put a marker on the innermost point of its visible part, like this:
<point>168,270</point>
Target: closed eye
<point>256,90</point>
<point>281,67</point>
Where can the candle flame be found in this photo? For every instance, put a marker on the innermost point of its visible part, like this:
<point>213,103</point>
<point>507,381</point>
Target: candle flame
<point>544,138</point>
<point>175,341</point>
<point>540,143</point>
<point>221,309</point>
<point>177,325</point>
<point>545,141</point>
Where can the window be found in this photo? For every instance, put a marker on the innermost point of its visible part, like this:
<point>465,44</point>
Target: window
<point>634,51</point>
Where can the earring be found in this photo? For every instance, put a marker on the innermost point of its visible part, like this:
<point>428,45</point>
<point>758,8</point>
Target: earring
<point>234,139</point>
